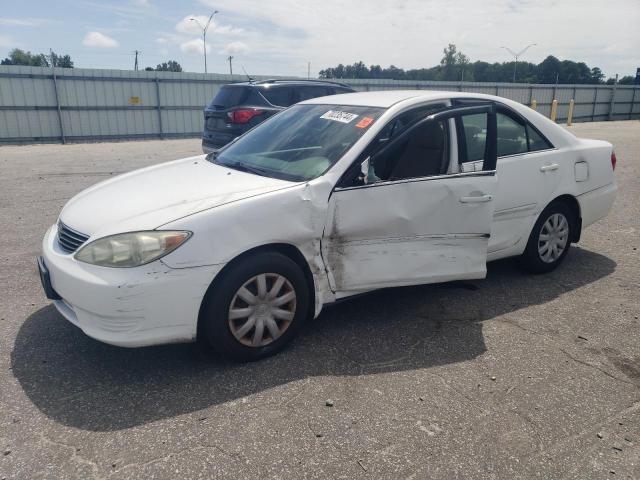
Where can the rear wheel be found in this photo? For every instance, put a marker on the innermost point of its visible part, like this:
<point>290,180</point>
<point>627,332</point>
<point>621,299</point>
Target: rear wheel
<point>550,238</point>
<point>256,308</point>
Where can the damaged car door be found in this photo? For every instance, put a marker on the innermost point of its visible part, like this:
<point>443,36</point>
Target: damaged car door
<point>405,215</point>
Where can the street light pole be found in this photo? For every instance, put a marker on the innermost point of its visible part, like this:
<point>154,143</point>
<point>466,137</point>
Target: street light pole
<point>516,56</point>
<point>204,35</point>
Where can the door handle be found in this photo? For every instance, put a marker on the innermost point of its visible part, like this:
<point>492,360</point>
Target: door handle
<point>477,199</point>
<point>549,168</point>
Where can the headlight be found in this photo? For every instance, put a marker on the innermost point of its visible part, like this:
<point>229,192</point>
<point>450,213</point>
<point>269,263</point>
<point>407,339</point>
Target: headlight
<point>131,249</point>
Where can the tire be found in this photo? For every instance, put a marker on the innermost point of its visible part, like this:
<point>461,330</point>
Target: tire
<point>244,295</point>
<point>537,259</point>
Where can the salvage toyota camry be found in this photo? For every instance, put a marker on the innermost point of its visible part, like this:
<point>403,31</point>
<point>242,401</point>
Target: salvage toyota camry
<point>332,197</point>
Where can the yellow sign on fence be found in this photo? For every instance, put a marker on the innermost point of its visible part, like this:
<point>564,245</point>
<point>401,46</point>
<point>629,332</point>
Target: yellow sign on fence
<point>135,101</point>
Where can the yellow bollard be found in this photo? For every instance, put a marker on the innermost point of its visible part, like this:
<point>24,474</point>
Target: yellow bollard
<point>570,115</point>
<point>554,110</point>
<point>534,104</point>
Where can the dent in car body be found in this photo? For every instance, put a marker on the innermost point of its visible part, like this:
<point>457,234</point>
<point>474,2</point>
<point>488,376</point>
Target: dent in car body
<point>293,216</point>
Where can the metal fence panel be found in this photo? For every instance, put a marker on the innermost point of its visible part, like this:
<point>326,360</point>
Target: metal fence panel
<point>39,104</point>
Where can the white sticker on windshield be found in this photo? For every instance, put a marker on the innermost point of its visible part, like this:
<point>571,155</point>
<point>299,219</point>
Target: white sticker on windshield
<point>338,116</point>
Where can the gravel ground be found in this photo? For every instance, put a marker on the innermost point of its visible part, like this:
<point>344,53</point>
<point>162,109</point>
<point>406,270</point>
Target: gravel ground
<point>515,376</point>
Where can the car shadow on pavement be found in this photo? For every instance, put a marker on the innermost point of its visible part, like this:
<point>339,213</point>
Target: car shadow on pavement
<point>82,383</point>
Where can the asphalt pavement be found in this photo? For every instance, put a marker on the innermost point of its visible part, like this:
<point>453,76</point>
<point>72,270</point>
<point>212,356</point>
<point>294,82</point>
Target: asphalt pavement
<point>514,376</point>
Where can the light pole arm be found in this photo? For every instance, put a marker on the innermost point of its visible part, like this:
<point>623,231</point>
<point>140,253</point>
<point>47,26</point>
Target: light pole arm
<point>204,29</point>
<point>525,49</point>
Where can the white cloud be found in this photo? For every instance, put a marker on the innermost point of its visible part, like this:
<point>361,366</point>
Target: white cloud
<point>227,30</point>
<point>142,3</point>
<point>23,22</point>
<point>193,27</point>
<point>234,48</point>
<point>194,46</point>
<point>412,33</point>
<point>188,26</point>
<point>6,42</point>
<point>99,40</point>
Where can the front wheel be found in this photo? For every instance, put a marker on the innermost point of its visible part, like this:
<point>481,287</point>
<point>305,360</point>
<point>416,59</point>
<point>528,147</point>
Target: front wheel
<point>550,239</point>
<point>256,308</point>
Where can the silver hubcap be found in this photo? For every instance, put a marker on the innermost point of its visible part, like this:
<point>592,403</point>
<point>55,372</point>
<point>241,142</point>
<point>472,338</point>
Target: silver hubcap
<point>553,238</point>
<point>262,309</point>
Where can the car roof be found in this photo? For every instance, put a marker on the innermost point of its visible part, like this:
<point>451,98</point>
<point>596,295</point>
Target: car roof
<point>383,98</point>
<point>388,98</point>
<point>400,99</point>
<point>287,82</point>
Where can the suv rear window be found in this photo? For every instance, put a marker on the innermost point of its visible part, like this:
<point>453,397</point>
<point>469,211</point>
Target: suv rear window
<point>229,96</point>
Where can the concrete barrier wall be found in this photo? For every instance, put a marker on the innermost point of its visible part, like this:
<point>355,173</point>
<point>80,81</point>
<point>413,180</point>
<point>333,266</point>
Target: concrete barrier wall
<point>39,104</point>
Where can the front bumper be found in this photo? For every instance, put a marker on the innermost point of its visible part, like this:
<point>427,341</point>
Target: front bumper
<point>128,307</point>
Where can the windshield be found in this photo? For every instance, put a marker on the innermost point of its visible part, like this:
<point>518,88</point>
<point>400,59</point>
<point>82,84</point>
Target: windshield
<point>300,143</point>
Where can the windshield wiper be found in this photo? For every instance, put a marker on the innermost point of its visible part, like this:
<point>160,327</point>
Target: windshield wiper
<point>246,168</point>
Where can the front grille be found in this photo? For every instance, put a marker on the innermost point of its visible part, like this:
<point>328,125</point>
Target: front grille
<point>69,239</point>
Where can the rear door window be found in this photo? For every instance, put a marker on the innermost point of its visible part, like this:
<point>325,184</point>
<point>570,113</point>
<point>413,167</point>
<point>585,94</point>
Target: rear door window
<point>515,135</point>
<point>474,133</point>
<point>512,136</point>
<point>279,96</point>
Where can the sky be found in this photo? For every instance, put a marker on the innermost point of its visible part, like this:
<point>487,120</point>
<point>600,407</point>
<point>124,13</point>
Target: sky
<point>269,37</point>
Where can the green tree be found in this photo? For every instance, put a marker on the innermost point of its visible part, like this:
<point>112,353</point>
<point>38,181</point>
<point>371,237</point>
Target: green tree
<point>574,72</point>
<point>62,61</point>
<point>627,80</point>
<point>453,63</point>
<point>170,66</point>
<point>375,71</point>
<point>21,57</point>
<point>596,75</point>
<point>549,70</point>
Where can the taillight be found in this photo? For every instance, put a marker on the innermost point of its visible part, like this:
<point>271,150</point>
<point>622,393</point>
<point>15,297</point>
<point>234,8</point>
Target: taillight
<point>614,160</point>
<point>244,115</point>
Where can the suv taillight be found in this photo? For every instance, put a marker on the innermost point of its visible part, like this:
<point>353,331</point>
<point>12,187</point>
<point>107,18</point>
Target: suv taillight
<point>614,160</point>
<point>244,115</point>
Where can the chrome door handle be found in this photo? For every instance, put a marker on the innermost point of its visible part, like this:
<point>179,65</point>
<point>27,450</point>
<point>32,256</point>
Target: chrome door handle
<point>478,199</point>
<point>549,168</point>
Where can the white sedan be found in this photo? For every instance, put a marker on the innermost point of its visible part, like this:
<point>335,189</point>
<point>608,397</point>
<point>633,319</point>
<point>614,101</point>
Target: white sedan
<point>330,198</point>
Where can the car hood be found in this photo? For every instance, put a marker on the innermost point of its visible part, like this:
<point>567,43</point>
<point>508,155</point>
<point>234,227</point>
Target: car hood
<point>148,198</point>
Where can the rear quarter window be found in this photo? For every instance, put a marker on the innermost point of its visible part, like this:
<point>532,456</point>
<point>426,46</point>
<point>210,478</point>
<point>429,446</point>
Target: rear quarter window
<point>537,141</point>
<point>279,96</point>
<point>305,93</point>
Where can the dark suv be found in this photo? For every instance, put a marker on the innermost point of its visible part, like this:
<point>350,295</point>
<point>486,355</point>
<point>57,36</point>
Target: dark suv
<point>239,107</point>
